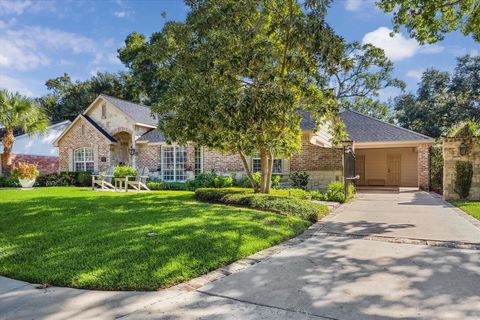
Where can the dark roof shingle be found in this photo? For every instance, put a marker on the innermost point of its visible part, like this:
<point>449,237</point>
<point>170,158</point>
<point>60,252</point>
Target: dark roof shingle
<point>138,112</point>
<point>152,136</point>
<point>362,128</point>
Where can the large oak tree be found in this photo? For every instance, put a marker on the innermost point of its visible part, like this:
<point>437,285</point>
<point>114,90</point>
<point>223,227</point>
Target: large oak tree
<point>235,76</point>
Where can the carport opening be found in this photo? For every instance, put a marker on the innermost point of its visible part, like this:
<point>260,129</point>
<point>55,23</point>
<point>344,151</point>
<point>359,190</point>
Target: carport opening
<point>387,168</point>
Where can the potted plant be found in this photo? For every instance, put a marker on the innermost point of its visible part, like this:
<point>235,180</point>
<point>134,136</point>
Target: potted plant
<point>26,173</point>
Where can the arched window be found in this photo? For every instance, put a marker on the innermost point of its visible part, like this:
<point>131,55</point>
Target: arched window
<point>83,159</point>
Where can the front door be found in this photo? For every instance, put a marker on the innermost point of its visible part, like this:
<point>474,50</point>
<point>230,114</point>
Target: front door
<point>394,162</point>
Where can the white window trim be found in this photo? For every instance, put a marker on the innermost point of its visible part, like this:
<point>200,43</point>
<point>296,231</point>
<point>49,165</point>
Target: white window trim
<point>257,157</point>
<point>195,160</point>
<point>162,162</point>
<point>84,161</point>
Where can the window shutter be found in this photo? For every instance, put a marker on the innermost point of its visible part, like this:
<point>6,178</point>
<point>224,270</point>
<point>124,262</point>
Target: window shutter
<point>70,159</point>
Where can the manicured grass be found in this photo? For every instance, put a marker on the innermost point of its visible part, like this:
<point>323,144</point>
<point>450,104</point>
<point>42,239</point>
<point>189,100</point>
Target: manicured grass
<point>472,208</point>
<point>79,238</point>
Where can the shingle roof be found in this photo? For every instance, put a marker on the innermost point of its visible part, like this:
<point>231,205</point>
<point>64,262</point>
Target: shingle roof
<point>307,122</point>
<point>105,133</point>
<point>152,136</point>
<point>137,112</point>
<point>362,128</point>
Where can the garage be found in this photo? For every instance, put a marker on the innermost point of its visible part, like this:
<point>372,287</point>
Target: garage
<point>387,155</point>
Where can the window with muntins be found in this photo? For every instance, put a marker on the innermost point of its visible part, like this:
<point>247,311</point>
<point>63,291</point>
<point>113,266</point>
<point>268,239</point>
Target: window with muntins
<point>83,159</point>
<point>198,160</point>
<point>174,162</point>
<point>257,165</point>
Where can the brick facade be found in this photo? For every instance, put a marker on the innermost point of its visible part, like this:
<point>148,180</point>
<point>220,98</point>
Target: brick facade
<point>213,160</point>
<point>148,156</point>
<point>45,164</point>
<point>83,135</point>
<point>316,158</point>
<point>423,167</point>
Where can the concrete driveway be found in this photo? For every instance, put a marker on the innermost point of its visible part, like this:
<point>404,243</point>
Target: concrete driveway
<point>333,274</point>
<point>405,213</point>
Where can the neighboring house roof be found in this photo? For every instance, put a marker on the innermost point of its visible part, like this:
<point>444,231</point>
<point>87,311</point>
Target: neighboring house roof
<point>39,144</point>
<point>138,112</point>
<point>100,129</point>
<point>362,128</point>
<point>152,136</point>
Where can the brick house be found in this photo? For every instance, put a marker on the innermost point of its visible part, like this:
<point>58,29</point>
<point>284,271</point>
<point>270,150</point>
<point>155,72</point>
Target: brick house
<point>113,131</point>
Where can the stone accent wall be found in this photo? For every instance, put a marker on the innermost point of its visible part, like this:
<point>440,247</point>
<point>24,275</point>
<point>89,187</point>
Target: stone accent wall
<point>90,138</point>
<point>45,164</point>
<point>423,166</point>
<point>451,154</point>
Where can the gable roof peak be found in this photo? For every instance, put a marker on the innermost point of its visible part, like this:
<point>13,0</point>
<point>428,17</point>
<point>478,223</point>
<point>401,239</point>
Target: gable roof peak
<point>138,112</point>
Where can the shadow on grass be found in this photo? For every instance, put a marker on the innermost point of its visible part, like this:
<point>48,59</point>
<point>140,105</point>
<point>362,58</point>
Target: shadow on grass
<point>78,238</point>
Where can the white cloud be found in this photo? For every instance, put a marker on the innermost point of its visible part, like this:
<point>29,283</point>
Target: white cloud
<point>121,14</point>
<point>18,7</point>
<point>14,85</point>
<point>415,74</point>
<point>29,47</point>
<point>353,5</point>
<point>397,47</point>
<point>14,7</point>
<point>106,57</point>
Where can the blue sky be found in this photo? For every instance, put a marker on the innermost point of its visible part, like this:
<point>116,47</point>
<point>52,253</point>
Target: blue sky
<point>40,40</point>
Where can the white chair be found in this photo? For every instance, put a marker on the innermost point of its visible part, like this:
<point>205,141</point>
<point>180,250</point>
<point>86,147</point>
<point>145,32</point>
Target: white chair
<point>104,180</point>
<point>138,182</point>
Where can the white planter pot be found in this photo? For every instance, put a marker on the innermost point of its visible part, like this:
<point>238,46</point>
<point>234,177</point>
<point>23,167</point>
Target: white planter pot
<point>26,183</point>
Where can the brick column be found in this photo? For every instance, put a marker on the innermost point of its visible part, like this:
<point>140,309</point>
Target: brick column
<point>423,167</point>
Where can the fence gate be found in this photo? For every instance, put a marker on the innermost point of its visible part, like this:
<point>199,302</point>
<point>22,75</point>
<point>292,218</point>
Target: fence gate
<point>349,174</point>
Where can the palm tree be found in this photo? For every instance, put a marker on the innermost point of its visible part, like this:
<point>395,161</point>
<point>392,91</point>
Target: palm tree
<point>18,112</point>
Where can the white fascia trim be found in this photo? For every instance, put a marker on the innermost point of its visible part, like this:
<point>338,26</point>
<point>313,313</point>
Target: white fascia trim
<point>145,125</point>
<point>393,144</point>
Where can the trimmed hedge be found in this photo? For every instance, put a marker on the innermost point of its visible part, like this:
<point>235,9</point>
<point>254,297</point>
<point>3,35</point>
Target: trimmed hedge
<point>463,181</point>
<point>79,179</point>
<point>209,180</point>
<point>9,182</point>
<point>304,209</point>
<point>159,185</point>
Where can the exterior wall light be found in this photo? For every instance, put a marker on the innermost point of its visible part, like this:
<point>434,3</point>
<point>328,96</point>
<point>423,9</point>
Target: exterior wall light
<point>463,148</point>
<point>132,151</point>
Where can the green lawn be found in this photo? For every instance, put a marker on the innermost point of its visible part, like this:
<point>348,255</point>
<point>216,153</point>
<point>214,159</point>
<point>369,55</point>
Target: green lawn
<point>79,238</point>
<point>472,208</point>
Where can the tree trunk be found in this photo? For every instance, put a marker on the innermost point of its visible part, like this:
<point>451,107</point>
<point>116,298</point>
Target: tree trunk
<point>247,170</point>
<point>7,140</point>
<point>270,172</point>
<point>264,163</point>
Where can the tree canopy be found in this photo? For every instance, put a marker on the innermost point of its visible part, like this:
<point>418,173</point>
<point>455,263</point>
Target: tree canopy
<point>442,99</point>
<point>235,76</point>
<point>67,99</point>
<point>18,113</point>
<point>429,20</point>
<point>359,80</point>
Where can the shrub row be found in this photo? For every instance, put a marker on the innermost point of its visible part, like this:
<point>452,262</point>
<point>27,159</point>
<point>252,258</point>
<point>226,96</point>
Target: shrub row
<point>79,179</point>
<point>291,206</point>
<point>160,185</point>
